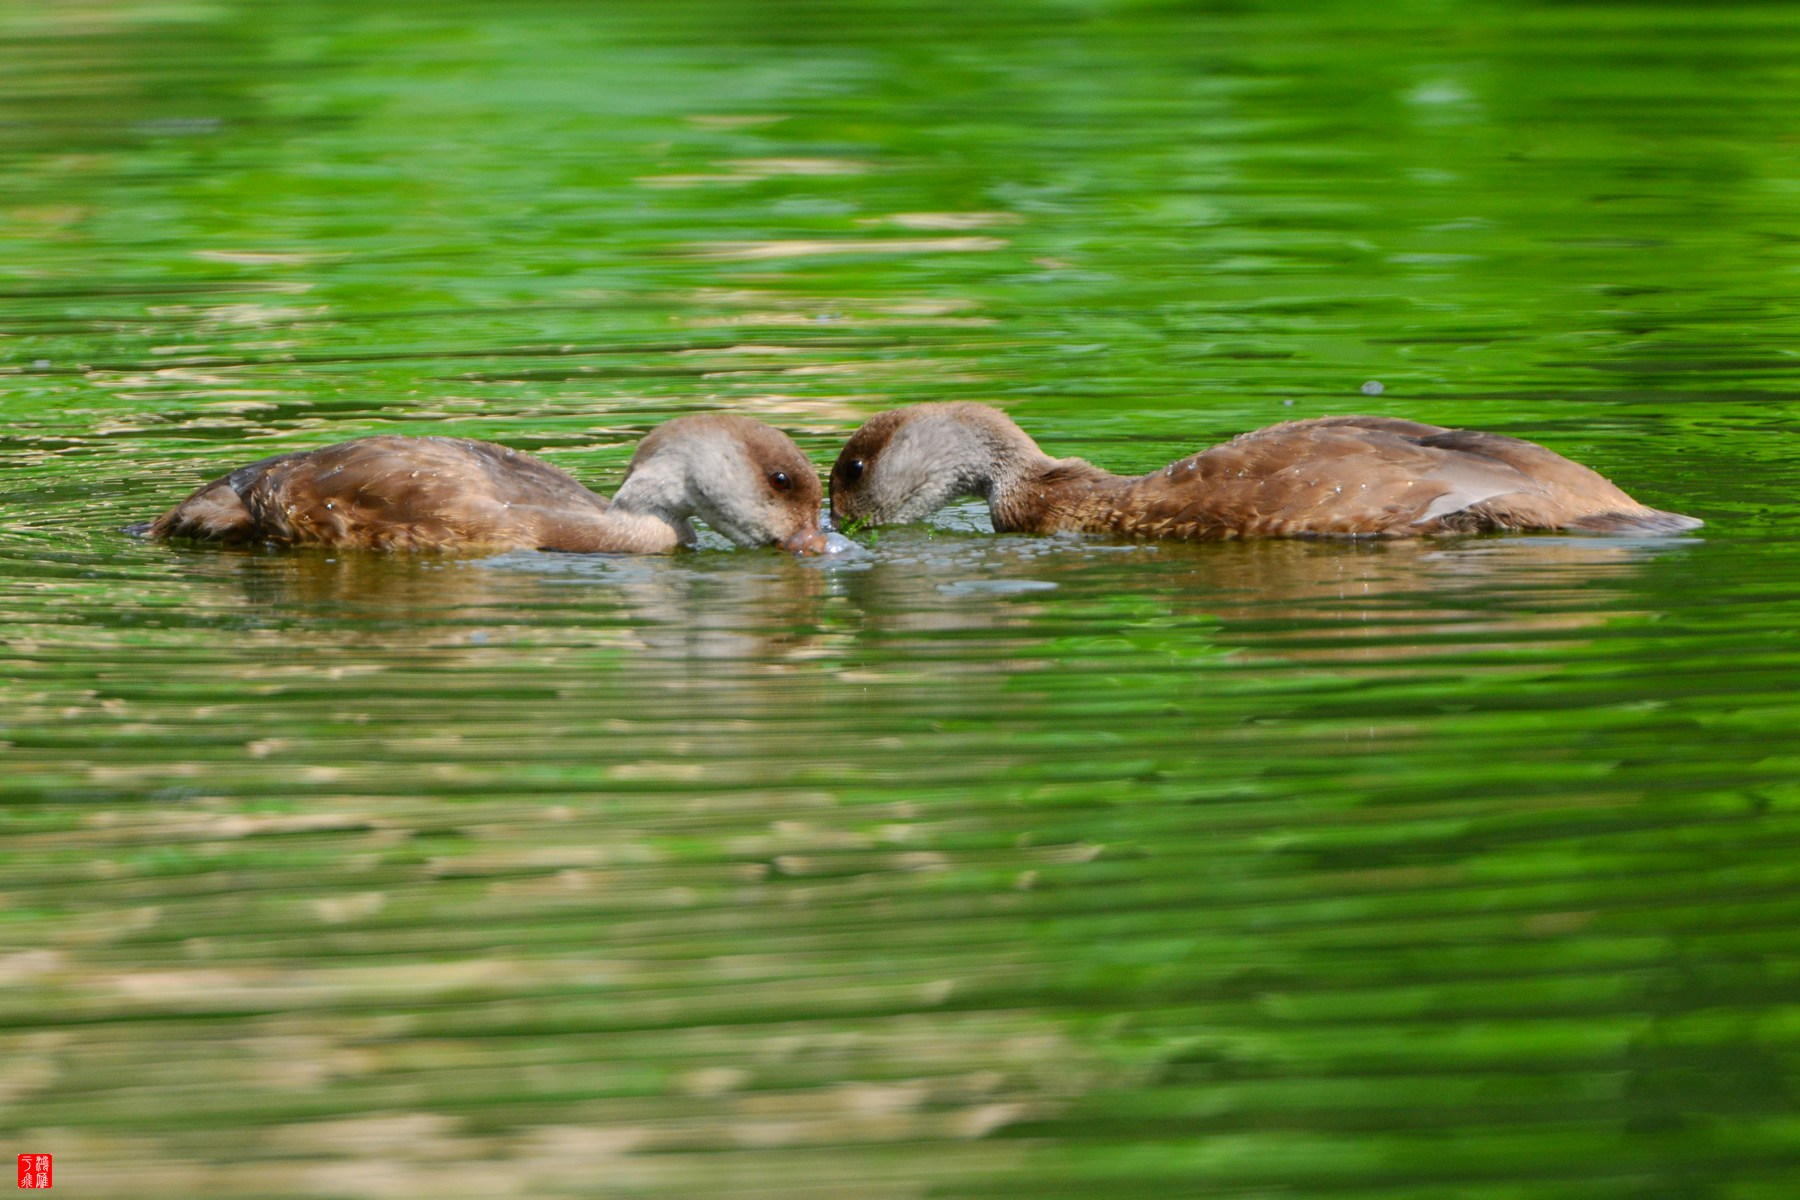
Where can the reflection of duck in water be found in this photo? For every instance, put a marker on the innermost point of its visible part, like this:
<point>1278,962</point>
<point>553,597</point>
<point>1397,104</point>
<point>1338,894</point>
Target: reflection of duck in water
<point>1332,477</point>
<point>540,607</point>
<point>742,477</point>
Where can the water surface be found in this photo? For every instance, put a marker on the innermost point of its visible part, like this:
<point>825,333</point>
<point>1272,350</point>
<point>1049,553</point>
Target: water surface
<point>967,865</point>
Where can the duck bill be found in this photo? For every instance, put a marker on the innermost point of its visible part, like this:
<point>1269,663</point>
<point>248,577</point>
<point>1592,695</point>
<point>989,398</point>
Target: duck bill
<point>810,540</point>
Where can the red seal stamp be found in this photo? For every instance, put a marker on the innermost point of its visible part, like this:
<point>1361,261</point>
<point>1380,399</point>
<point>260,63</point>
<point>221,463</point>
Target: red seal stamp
<point>34,1170</point>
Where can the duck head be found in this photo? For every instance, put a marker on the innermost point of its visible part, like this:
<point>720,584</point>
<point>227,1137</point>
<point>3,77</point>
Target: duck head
<point>908,462</point>
<point>745,479</point>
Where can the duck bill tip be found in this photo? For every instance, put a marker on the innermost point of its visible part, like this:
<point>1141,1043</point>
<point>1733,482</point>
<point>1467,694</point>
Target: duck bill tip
<point>806,542</point>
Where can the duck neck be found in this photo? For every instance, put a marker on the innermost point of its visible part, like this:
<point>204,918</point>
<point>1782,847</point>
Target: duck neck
<point>979,452</point>
<point>654,505</point>
<point>1054,495</point>
<point>1027,491</point>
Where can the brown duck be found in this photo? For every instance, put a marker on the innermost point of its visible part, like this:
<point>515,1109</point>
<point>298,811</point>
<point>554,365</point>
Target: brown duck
<point>745,479</point>
<point>1332,477</point>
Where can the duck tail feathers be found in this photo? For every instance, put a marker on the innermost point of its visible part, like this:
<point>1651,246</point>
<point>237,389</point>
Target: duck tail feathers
<point>1637,521</point>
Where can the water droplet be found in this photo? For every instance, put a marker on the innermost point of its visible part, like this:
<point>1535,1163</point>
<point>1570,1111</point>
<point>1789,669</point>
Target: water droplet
<point>1373,388</point>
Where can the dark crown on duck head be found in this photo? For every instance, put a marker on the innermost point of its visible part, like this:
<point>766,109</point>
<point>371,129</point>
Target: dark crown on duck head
<point>906,462</point>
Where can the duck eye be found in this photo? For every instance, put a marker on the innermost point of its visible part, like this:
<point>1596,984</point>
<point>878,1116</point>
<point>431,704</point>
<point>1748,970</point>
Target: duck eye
<point>779,481</point>
<point>852,470</point>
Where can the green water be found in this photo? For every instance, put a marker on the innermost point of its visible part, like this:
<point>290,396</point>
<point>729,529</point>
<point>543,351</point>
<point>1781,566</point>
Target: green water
<point>972,866</point>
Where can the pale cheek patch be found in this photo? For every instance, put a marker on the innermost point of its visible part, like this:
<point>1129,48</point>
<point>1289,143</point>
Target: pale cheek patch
<point>923,469</point>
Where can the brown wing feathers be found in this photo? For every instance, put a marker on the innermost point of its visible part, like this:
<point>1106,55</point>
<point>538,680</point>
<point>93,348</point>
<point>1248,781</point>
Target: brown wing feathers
<point>389,493</point>
<point>1344,476</point>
